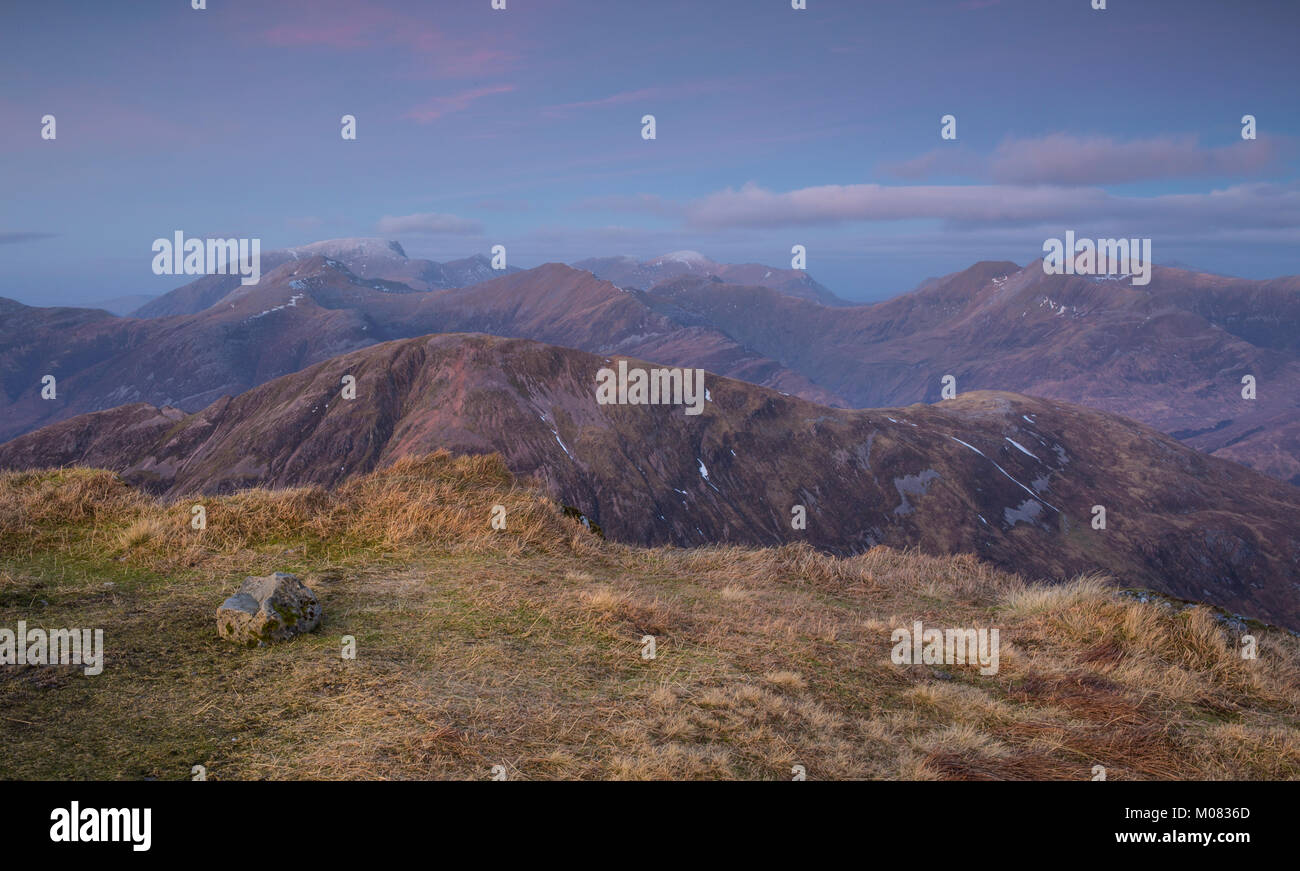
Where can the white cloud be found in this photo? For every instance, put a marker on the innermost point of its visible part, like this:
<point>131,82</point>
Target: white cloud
<point>1244,206</point>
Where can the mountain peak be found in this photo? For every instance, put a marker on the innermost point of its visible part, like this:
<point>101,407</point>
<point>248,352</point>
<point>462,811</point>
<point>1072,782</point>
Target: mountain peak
<point>690,258</point>
<point>347,248</point>
<point>642,275</point>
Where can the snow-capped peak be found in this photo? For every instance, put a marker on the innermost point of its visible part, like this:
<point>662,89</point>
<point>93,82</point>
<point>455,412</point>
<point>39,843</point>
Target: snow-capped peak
<point>345,249</point>
<point>690,258</point>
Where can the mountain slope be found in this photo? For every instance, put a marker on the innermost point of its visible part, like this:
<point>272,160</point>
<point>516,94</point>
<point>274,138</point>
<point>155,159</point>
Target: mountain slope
<point>1006,477</point>
<point>523,647</point>
<point>308,310</point>
<point>1171,354</point>
<point>633,274</point>
<point>204,291</point>
<point>122,306</point>
<point>367,258</point>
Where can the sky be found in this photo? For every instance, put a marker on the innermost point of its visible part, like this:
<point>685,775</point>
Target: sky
<point>523,127</point>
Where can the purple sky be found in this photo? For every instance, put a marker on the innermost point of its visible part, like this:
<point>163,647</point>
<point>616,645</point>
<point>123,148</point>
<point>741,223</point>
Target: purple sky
<point>775,127</point>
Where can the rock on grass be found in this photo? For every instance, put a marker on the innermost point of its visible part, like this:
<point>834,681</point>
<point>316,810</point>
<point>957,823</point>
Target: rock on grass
<point>268,609</point>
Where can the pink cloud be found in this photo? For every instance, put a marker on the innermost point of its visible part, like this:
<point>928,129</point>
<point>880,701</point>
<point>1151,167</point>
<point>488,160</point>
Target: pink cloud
<point>353,27</point>
<point>641,95</point>
<point>1258,206</point>
<point>951,160</point>
<point>435,108</point>
<point>333,25</point>
<point>618,99</point>
<point>335,36</point>
<point>1063,159</point>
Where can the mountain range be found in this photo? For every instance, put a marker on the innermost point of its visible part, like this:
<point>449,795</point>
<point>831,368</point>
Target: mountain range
<point>227,386</point>
<point>307,310</point>
<point>374,259</point>
<point>630,273</point>
<point>1010,478</point>
<point>1172,354</point>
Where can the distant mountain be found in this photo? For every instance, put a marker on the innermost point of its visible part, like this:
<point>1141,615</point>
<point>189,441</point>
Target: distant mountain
<point>203,292</point>
<point>1187,267</point>
<point>367,257</point>
<point>628,272</point>
<point>378,259</point>
<point>1171,354</point>
<point>1007,477</point>
<point>308,310</point>
<point>386,260</point>
<point>123,305</point>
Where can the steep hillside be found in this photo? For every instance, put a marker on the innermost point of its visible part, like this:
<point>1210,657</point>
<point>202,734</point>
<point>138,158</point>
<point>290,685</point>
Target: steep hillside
<point>204,291</point>
<point>1009,478</point>
<point>309,310</point>
<point>1171,354</point>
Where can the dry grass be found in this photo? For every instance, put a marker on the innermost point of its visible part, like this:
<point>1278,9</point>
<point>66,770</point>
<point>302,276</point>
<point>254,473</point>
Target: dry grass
<point>523,648</point>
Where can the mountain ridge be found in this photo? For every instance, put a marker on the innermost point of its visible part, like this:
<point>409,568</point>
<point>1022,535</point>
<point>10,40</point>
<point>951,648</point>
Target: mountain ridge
<point>1009,478</point>
<point>1172,354</point>
<point>630,273</point>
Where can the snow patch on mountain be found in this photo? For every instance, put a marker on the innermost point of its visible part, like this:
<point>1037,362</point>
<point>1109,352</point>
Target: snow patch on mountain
<point>1018,446</point>
<point>292,303</point>
<point>690,258</point>
<point>1004,472</point>
<point>352,249</point>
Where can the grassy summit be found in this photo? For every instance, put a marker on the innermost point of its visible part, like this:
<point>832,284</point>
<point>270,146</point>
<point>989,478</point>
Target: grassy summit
<point>522,648</point>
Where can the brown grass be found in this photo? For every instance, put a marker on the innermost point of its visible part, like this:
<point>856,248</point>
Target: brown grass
<point>522,648</point>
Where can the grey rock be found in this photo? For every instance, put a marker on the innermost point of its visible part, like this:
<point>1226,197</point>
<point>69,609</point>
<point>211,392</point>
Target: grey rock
<point>268,609</point>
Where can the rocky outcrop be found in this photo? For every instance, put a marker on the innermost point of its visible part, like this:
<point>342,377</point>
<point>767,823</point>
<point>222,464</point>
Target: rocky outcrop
<point>268,609</point>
